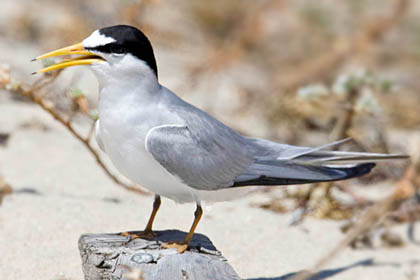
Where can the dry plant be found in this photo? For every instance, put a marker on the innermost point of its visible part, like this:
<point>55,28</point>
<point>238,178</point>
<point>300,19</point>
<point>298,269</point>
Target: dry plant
<point>355,95</point>
<point>352,87</point>
<point>36,93</point>
<point>404,209</point>
<point>367,221</point>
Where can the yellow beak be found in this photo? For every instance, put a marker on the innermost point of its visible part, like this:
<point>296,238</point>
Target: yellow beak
<point>86,58</point>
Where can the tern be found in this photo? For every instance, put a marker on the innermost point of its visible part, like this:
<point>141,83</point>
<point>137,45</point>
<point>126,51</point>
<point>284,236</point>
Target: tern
<point>178,151</point>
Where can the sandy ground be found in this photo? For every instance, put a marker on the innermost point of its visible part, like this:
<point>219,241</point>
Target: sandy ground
<point>61,193</point>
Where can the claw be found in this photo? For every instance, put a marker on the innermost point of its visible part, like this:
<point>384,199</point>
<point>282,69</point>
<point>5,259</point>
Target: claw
<point>143,235</point>
<point>181,247</point>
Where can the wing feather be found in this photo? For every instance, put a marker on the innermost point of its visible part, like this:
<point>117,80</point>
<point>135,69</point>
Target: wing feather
<point>200,160</point>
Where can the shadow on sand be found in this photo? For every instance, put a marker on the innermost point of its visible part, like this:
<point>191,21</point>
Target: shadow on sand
<point>324,274</point>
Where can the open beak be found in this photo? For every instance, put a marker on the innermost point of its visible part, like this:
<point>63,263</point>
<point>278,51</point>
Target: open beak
<point>86,58</point>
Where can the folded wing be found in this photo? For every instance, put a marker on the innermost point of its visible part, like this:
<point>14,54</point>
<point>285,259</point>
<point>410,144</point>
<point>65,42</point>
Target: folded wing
<point>204,160</point>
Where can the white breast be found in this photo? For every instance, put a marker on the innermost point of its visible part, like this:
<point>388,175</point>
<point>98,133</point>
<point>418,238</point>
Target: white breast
<point>124,143</point>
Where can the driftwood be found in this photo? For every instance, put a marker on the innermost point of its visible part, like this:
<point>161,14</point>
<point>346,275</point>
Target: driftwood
<point>112,256</point>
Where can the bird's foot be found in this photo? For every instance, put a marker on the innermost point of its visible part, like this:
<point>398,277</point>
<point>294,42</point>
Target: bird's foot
<point>147,234</point>
<point>181,247</point>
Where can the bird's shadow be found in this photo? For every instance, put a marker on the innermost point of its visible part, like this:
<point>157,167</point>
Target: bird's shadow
<point>199,241</point>
<point>324,274</point>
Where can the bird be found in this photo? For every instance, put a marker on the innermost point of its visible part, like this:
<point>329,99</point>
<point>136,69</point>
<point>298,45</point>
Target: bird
<point>178,151</point>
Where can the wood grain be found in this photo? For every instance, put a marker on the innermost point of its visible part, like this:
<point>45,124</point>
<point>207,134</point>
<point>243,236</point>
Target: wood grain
<point>112,256</point>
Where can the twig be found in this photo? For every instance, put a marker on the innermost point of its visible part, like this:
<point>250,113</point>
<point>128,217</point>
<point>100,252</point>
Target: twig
<point>91,130</point>
<point>345,120</point>
<point>34,93</point>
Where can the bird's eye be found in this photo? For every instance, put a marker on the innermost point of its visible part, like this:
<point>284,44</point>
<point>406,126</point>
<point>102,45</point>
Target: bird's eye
<point>117,49</point>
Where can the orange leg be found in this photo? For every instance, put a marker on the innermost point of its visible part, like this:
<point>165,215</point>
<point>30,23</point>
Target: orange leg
<point>182,246</point>
<point>156,205</point>
<point>148,232</point>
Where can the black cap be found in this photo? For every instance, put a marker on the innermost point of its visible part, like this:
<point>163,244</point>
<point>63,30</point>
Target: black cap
<point>128,39</point>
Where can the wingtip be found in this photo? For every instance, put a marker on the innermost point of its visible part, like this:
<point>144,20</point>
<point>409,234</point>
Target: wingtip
<point>370,165</point>
<point>33,73</point>
<point>33,59</point>
<point>360,170</point>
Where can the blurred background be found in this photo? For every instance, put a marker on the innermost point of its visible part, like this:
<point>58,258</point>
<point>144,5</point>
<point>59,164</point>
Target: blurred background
<point>245,61</point>
<point>300,72</point>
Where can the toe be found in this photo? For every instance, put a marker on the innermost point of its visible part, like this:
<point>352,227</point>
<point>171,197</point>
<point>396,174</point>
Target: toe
<point>181,247</point>
<point>143,235</point>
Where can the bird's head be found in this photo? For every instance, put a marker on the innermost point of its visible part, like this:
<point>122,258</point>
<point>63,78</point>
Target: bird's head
<point>112,52</point>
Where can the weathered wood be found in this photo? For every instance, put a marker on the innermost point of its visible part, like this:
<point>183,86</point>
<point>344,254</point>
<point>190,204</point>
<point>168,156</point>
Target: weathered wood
<point>112,256</point>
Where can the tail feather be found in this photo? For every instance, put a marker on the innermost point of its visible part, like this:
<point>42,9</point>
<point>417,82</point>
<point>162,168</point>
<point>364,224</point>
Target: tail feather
<point>341,157</point>
<point>292,174</point>
<point>299,165</point>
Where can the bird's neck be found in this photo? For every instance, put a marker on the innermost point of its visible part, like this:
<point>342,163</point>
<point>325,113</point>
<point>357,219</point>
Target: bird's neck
<point>128,91</point>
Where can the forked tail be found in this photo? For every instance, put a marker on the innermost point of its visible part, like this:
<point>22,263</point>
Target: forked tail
<point>278,164</point>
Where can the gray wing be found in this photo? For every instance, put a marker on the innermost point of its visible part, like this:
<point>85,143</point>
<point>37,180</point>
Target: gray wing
<point>208,159</point>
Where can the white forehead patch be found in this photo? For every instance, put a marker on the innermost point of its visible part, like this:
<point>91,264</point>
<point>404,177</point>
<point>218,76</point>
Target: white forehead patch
<point>97,39</point>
